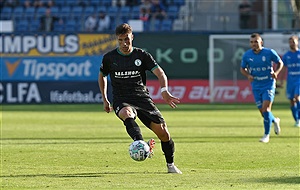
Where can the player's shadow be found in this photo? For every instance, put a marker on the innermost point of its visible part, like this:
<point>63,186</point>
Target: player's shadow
<point>79,175</point>
<point>279,180</point>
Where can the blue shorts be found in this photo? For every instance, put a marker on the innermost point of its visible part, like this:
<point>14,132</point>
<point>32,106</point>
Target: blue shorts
<point>262,95</point>
<point>292,90</point>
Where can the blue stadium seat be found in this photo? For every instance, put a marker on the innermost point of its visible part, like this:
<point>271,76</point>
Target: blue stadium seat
<point>72,26</point>
<point>89,10</point>
<point>58,27</point>
<point>54,10</point>
<point>156,25</point>
<point>29,13</point>
<point>40,11</point>
<point>172,12</point>
<point>125,13</point>
<point>70,3</point>
<point>6,13</point>
<point>22,26</point>
<point>34,25</point>
<point>77,12</point>
<point>65,12</point>
<point>95,3</point>
<point>101,9</point>
<point>179,2</point>
<point>166,25</point>
<point>113,12</point>
<point>106,3</point>
<point>135,12</point>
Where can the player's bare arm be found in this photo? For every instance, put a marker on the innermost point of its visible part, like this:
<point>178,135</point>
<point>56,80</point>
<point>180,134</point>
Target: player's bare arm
<point>245,72</point>
<point>278,69</point>
<point>102,81</point>
<point>163,81</point>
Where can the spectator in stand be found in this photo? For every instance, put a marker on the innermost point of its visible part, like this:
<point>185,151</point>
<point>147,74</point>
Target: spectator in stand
<point>245,13</point>
<point>47,21</point>
<point>11,3</point>
<point>158,10</point>
<point>2,3</point>
<point>50,3</point>
<point>103,22</point>
<point>81,3</point>
<point>132,3</point>
<point>146,4</point>
<point>144,15</point>
<point>118,3</point>
<point>91,23</point>
<point>38,3</point>
<point>27,3</point>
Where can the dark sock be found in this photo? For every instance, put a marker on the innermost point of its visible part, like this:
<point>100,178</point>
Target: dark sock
<point>133,129</point>
<point>168,148</point>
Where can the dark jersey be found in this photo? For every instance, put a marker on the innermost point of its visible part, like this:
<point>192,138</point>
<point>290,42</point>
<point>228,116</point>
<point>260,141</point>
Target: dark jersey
<point>128,72</point>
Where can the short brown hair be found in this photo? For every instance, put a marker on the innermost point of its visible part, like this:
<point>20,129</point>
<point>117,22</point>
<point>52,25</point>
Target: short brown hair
<point>294,37</point>
<point>254,35</point>
<point>123,29</point>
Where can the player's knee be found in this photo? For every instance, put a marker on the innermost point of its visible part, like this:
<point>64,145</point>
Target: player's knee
<point>126,112</point>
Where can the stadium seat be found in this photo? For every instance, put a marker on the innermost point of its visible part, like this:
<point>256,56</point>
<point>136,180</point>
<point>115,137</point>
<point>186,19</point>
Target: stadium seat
<point>70,3</point>
<point>101,9</point>
<point>22,26</point>
<point>166,25</point>
<point>65,12</point>
<point>156,25</point>
<point>77,12</point>
<point>54,10</point>
<point>6,13</point>
<point>58,27</point>
<point>29,13</point>
<point>113,12</point>
<point>40,11</point>
<point>95,3</point>
<point>89,10</point>
<point>135,12</point>
<point>106,3</point>
<point>125,13</point>
<point>72,26</point>
<point>34,25</point>
<point>172,12</point>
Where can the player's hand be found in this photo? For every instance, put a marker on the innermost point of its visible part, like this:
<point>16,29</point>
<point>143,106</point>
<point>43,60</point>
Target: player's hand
<point>250,78</point>
<point>274,75</point>
<point>169,99</point>
<point>106,106</point>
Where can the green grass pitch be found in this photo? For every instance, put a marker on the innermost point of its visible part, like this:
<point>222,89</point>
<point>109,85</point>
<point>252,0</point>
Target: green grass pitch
<point>80,147</point>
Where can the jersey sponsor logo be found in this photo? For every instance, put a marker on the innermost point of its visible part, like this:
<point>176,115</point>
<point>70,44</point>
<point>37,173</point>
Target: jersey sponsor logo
<point>138,62</point>
<point>257,69</point>
<point>127,74</point>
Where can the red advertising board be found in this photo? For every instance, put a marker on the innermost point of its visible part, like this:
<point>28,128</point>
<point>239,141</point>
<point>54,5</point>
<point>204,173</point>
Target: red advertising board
<point>197,91</point>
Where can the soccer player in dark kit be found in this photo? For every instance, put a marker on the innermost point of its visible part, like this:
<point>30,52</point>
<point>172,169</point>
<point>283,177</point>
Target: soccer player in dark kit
<point>127,66</point>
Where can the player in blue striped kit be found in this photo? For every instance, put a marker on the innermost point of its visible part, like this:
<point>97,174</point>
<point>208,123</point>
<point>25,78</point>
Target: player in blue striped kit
<point>291,60</point>
<point>257,66</point>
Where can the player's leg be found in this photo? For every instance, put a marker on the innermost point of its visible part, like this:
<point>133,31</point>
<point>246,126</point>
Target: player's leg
<point>152,118</point>
<point>268,98</point>
<point>297,103</point>
<point>128,115</point>
<point>290,93</point>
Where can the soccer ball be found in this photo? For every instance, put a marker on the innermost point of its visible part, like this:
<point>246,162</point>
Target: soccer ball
<point>139,150</point>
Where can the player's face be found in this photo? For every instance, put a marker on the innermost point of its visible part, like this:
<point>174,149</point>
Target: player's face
<point>293,44</point>
<point>125,42</point>
<point>256,44</point>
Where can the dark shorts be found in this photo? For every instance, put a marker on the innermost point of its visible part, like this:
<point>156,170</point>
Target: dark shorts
<point>145,110</point>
